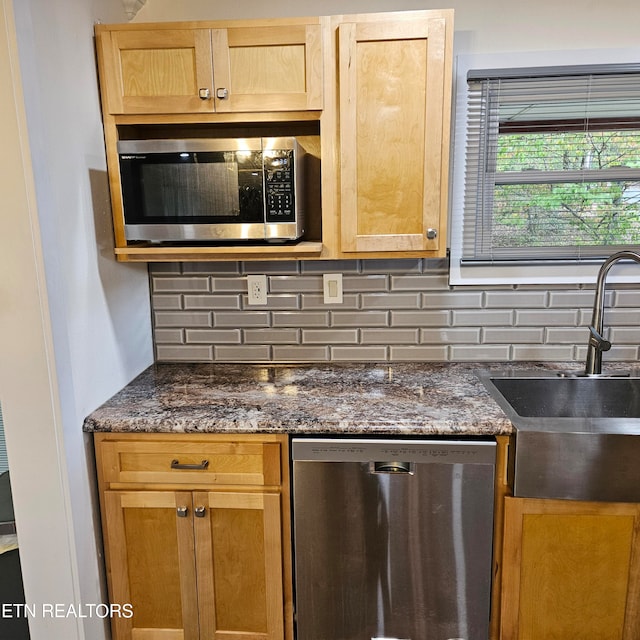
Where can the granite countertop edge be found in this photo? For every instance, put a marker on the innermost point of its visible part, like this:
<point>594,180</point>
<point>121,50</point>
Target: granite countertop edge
<point>324,398</point>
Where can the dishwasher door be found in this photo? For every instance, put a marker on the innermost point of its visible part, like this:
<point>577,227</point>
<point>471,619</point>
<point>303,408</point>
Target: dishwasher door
<point>392,538</point>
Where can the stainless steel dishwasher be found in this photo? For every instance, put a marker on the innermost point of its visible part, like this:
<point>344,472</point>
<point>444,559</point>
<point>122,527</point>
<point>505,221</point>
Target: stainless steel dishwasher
<point>392,538</point>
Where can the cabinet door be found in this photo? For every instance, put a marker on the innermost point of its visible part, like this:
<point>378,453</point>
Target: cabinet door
<point>394,119</point>
<point>157,71</point>
<point>239,558</point>
<point>151,564</point>
<point>275,68</point>
<point>570,570</point>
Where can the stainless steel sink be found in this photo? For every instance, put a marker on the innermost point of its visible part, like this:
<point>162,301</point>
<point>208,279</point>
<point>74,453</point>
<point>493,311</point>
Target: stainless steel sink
<point>571,397</point>
<point>576,437</point>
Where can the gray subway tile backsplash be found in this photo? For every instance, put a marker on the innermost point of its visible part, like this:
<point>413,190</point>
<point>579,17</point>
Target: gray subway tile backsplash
<point>300,319</point>
<point>206,301</point>
<point>574,299</point>
<point>316,301</point>
<point>213,336</point>
<point>364,354</point>
<point>359,318</point>
<point>546,318</point>
<point>182,319</point>
<point>169,336</point>
<point>390,300</point>
<point>184,353</point>
<point>413,353</point>
<point>547,352</point>
<point>365,283</point>
<point>181,284</point>
<point>482,318</point>
<point>451,335</point>
<point>241,319</point>
<point>627,298</point>
<point>243,353</point>
<point>389,336</point>
<point>436,282</point>
<point>271,336</point>
<point>618,317</point>
<point>297,284</point>
<point>392,310</point>
<point>301,353</point>
<point>165,302</point>
<point>480,353</point>
<point>516,299</point>
<point>439,318</point>
<point>330,336</point>
<point>512,335</point>
<point>209,268</point>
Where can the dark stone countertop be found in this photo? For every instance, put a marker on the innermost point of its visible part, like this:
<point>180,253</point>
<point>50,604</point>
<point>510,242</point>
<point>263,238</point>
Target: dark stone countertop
<point>331,398</point>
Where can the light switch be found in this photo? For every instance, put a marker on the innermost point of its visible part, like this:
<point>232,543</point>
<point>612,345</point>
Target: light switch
<point>332,288</point>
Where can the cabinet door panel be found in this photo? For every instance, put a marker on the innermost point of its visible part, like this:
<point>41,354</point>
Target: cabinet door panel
<point>239,536</point>
<point>567,570</point>
<point>157,71</point>
<point>151,561</point>
<point>275,68</point>
<point>392,114</point>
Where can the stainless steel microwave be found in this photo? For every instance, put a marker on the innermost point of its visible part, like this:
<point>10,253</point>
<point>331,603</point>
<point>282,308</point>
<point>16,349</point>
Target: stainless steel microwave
<point>198,190</point>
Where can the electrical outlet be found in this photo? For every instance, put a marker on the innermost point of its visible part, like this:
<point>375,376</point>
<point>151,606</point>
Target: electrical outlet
<point>332,288</point>
<point>257,289</point>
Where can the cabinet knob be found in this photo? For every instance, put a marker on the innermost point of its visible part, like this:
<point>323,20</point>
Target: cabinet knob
<point>182,512</point>
<point>199,511</point>
<point>432,234</point>
<point>204,94</point>
<point>222,93</point>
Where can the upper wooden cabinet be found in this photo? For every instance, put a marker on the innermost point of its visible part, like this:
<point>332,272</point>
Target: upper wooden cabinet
<point>368,95</point>
<point>395,103</point>
<point>172,69</point>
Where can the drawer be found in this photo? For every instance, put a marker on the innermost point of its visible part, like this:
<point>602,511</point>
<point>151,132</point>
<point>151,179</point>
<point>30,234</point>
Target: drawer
<point>193,463</point>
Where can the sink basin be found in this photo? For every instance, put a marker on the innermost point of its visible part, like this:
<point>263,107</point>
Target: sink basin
<point>564,397</point>
<point>575,436</point>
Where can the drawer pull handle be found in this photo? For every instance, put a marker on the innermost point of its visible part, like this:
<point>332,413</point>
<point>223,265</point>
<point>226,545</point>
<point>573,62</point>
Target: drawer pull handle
<point>175,464</point>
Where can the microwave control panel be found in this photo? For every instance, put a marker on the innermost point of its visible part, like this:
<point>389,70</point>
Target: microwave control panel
<point>280,187</point>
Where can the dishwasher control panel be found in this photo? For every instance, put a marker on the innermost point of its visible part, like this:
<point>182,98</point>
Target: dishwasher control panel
<point>379,450</point>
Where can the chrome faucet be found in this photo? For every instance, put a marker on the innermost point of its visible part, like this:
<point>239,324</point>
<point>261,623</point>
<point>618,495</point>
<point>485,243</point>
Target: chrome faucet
<point>597,343</point>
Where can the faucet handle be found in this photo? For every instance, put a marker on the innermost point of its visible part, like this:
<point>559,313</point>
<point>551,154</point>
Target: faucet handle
<point>597,341</point>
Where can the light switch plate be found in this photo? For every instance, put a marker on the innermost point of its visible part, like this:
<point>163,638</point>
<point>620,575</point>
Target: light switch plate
<point>332,288</point>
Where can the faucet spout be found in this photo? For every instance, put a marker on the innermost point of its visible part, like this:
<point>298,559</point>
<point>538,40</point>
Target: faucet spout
<point>597,343</point>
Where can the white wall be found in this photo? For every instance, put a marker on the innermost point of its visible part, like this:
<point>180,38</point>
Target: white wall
<point>75,324</point>
<point>481,26</point>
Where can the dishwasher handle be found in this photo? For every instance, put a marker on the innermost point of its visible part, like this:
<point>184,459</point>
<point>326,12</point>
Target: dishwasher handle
<point>391,466</point>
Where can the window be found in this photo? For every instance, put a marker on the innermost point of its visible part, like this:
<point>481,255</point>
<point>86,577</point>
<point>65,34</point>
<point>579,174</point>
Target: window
<point>552,164</point>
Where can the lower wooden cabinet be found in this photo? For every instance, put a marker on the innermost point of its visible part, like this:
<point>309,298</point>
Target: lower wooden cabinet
<point>203,561</point>
<point>570,570</point>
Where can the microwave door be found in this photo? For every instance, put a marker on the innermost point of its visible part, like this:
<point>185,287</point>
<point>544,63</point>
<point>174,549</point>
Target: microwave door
<point>192,196</point>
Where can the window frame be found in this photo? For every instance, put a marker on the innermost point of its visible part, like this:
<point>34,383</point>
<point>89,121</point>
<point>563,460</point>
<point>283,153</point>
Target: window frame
<point>525,271</point>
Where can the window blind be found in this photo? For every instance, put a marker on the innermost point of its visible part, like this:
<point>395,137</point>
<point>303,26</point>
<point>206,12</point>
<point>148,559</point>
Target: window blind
<point>552,163</point>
